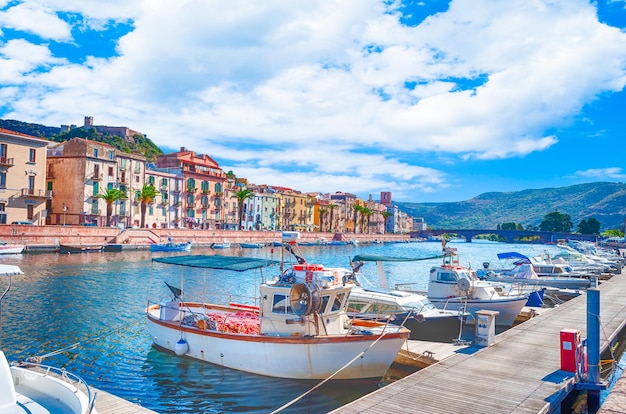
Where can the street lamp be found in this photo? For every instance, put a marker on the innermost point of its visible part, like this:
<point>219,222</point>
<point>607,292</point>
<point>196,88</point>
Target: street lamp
<point>64,213</point>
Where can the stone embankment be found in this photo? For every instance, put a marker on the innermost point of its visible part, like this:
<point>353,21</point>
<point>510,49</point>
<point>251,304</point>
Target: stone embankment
<point>46,237</point>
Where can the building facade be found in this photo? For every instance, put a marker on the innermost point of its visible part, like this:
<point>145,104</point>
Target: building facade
<point>23,188</point>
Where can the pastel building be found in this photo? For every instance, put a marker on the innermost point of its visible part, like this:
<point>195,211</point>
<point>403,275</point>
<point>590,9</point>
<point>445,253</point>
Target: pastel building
<point>24,192</point>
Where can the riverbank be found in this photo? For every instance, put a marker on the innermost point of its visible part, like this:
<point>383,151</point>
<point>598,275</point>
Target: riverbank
<point>44,238</point>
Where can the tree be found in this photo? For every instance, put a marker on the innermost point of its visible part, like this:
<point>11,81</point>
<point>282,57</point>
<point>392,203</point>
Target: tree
<point>331,207</point>
<point>241,196</point>
<point>386,216</point>
<point>589,226</point>
<point>557,222</point>
<point>366,213</point>
<point>358,214</point>
<point>323,212</point>
<point>110,196</point>
<point>145,197</point>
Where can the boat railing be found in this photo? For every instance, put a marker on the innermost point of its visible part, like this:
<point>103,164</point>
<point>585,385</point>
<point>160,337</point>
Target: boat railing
<point>64,375</point>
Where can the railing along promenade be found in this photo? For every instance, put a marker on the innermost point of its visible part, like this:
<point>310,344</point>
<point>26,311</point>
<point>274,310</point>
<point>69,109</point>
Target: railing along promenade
<point>42,237</point>
<point>511,236</point>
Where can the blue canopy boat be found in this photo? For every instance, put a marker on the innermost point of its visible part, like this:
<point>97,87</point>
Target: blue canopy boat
<point>170,246</point>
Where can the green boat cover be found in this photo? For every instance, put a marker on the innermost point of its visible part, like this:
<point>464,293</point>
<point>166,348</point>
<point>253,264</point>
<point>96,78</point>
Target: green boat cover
<point>235,263</point>
<point>381,258</point>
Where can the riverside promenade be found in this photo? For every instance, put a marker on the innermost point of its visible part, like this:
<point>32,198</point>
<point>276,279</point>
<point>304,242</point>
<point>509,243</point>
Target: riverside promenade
<point>520,373</point>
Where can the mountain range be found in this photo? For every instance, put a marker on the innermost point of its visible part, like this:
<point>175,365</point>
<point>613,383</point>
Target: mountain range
<point>604,201</point>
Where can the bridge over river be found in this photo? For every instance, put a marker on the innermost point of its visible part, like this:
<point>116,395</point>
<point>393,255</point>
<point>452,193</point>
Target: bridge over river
<point>511,236</point>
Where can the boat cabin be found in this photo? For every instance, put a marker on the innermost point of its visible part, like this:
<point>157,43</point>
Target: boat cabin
<point>307,300</point>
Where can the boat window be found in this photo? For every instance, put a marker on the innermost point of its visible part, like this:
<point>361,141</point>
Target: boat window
<point>357,307</point>
<point>338,302</point>
<point>324,304</point>
<point>281,305</point>
<point>420,305</point>
<point>446,277</point>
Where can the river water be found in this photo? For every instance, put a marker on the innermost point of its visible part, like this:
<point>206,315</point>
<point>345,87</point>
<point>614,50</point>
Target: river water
<point>96,302</point>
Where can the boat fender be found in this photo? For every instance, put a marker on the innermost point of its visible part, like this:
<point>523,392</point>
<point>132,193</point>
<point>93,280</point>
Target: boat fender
<point>181,347</point>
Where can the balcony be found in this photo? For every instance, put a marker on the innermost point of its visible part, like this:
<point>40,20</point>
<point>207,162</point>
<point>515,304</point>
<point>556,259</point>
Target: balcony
<point>94,213</point>
<point>7,162</point>
<point>32,193</point>
<point>96,177</point>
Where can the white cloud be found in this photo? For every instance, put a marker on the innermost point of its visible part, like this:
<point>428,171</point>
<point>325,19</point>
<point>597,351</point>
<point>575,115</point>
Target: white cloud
<point>296,83</point>
<point>35,18</point>
<point>613,173</point>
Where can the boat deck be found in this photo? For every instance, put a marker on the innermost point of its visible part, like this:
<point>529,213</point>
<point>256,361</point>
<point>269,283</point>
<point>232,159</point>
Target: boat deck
<point>520,373</point>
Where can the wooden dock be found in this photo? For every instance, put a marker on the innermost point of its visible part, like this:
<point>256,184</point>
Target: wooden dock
<point>110,404</point>
<point>520,373</point>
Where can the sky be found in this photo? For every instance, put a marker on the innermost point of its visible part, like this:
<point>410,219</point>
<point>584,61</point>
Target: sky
<point>435,101</point>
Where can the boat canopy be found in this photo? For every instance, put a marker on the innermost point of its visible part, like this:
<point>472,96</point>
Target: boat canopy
<point>381,258</point>
<point>235,263</point>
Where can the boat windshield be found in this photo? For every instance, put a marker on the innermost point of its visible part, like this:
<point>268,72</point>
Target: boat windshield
<point>420,305</point>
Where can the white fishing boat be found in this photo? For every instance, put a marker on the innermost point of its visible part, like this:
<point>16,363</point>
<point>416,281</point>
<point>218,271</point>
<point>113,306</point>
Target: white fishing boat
<point>34,388</point>
<point>452,286</point>
<point>299,330</point>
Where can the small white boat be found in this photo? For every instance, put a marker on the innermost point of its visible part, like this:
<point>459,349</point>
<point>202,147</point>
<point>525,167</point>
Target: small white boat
<point>223,245</point>
<point>6,248</point>
<point>34,388</point>
<point>300,330</point>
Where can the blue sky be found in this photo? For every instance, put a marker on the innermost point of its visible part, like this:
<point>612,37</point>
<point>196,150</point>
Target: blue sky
<point>434,101</point>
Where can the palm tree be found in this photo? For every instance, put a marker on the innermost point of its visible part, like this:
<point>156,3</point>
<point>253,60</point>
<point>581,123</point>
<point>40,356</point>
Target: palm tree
<point>110,196</point>
<point>366,213</point>
<point>331,208</point>
<point>358,209</point>
<point>145,197</point>
<point>323,212</point>
<point>385,215</point>
<point>241,196</point>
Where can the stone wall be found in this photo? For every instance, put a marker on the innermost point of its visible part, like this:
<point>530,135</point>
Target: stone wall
<point>55,235</point>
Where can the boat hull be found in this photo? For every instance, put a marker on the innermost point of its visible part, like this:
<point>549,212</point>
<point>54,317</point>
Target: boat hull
<point>444,328</point>
<point>80,249</point>
<point>293,357</point>
<point>12,248</point>
<point>163,248</point>
<point>508,307</point>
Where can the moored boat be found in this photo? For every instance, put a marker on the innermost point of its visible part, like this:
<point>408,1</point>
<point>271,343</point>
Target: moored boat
<point>300,329</point>
<point>455,287</point>
<point>6,248</point>
<point>34,388</point>
<point>170,246</point>
<point>80,248</point>
<point>411,310</point>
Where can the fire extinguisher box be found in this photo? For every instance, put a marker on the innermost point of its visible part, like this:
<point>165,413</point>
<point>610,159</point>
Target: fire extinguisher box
<point>570,347</point>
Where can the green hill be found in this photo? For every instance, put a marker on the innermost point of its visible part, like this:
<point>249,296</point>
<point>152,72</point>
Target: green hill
<point>138,144</point>
<point>604,201</point>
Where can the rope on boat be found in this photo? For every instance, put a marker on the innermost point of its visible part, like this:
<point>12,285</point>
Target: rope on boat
<point>38,359</point>
<point>359,355</point>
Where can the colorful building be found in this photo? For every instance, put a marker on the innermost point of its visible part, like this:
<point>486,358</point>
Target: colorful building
<point>24,192</point>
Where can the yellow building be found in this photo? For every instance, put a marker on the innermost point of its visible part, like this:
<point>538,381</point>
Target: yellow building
<point>23,187</point>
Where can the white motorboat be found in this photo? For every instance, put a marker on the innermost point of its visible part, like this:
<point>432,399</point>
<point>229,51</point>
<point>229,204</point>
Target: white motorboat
<point>35,388</point>
<point>456,287</point>
<point>412,310</point>
<point>300,330</point>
